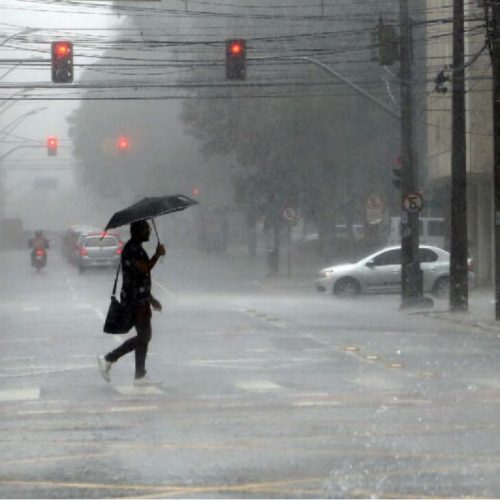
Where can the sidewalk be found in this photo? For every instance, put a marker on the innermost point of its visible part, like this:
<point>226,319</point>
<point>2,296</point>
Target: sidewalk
<point>481,313</point>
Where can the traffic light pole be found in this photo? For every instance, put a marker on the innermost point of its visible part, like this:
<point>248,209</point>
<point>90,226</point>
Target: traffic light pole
<point>411,274</point>
<point>458,239</point>
<point>495,56</point>
<point>391,111</point>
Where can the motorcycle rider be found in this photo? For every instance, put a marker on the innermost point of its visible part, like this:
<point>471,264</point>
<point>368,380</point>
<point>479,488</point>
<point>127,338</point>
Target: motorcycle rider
<point>38,242</point>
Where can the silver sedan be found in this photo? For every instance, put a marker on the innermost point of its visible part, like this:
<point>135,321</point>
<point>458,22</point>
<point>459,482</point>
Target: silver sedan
<point>380,272</point>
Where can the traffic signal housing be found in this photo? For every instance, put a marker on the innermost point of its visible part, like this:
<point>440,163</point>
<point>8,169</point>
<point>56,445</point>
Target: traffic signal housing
<point>388,44</point>
<point>396,179</point>
<point>52,143</point>
<point>236,58</point>
<point>62,62</point>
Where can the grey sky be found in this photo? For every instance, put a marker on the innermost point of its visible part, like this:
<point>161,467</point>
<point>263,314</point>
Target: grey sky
<point>49,21</point>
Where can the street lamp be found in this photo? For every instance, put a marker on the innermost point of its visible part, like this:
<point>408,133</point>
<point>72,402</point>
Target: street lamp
<point>17,121</point>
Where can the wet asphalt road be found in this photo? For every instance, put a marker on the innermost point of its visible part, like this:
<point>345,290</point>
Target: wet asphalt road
<point>264,392</point>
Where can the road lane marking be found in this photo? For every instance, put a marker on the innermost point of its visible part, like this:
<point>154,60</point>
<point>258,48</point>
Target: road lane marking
<point>272,486</point>
<point>19,358</point>
<point>26,394</point>
<point>76,485</point>
<point>264,317</point>
<point>133,390</point>
<point>18,372</point>
<point>316,403</point>
<point>119,409</point>
<point>229,364</point>
<point>395,365</point>
<point>259,386</point>
<point>31,308</point>
<point>158,490</point>
<point>39,412</point>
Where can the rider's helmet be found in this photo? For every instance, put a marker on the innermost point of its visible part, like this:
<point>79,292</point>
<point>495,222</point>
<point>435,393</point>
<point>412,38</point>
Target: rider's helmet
<point>38,232</point>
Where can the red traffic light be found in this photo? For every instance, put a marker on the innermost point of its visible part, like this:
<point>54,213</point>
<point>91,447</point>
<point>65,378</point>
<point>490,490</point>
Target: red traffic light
<point>62,49</point>
<point>62,62</point>
<point>236,48</point>
<point>235,59</point>
<point>123,144</point>
<point>52,146</point>
<point>195,191</point>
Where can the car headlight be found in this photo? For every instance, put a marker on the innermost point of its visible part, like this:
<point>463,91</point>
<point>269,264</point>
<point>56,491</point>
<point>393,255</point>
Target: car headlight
<point>326,273</point>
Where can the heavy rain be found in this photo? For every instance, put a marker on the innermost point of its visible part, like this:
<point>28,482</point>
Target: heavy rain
<point>294,207</point>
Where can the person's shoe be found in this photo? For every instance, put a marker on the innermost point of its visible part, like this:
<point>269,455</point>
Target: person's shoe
<point>104,368</point>
<point>145,381</point>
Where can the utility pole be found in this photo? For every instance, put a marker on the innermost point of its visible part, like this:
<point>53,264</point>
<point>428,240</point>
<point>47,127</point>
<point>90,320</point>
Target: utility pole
<point>458,245</point>
<point>495,63</point>
<point>411,274</point>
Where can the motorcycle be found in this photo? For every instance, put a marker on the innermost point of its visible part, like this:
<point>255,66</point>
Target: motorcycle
<point>40,259</point>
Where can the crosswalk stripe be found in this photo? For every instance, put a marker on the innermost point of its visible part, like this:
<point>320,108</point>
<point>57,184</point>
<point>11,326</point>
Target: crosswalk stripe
<point>126,409</point>
<point>24,394</point>
<point>259,386</point>
<point>132,390</point>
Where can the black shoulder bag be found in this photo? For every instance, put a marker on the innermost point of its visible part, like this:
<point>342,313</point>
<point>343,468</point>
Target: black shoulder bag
<point>119,318</point>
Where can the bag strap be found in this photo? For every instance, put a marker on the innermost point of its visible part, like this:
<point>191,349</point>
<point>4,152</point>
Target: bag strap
<point>116,279</point>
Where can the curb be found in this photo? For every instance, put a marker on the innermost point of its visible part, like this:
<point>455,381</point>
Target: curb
<point>464,321</point>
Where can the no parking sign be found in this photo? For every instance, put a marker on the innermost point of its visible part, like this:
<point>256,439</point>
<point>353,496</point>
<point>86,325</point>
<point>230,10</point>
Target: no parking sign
<point>413,203</point>
<point>290,214</point>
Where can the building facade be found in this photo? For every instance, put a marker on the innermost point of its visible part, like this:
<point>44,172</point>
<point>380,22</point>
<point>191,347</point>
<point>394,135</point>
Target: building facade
<point>479,127</point>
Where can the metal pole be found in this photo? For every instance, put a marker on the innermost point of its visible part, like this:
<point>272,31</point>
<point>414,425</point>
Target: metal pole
<point>495,55</point>
<point>391,111</point>
<point>458,246</point>
<point>411,274</point>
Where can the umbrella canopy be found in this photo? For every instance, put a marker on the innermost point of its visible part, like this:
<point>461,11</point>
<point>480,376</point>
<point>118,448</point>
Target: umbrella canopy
<point>148,208</point>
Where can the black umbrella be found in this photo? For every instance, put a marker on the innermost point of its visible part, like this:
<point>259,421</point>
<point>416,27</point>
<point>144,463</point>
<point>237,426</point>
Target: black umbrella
<point>148,208</point>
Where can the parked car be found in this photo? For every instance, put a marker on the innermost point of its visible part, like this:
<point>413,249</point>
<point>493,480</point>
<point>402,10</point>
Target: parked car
<point>98,249</point>
<point>380,272</point>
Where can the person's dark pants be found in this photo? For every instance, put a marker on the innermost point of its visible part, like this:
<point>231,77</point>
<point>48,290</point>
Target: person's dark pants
<point>142,322</point>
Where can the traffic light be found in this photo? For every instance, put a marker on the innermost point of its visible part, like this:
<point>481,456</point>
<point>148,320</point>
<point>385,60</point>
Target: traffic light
<point>388,44</point>
<point>123,144</point>
<point>396,180</point>
<point>62,62</point>
<point>52,146</point>
<point>236,56</point>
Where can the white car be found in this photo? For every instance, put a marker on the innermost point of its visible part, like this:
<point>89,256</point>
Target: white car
<point>380,272</point>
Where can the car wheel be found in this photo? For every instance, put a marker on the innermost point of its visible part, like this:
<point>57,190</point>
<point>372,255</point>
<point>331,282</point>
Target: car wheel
<point>347,287</point>
<point>441,287</point>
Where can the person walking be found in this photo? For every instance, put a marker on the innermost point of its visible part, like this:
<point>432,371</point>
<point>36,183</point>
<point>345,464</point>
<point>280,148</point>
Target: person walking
<point>136,295</point>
